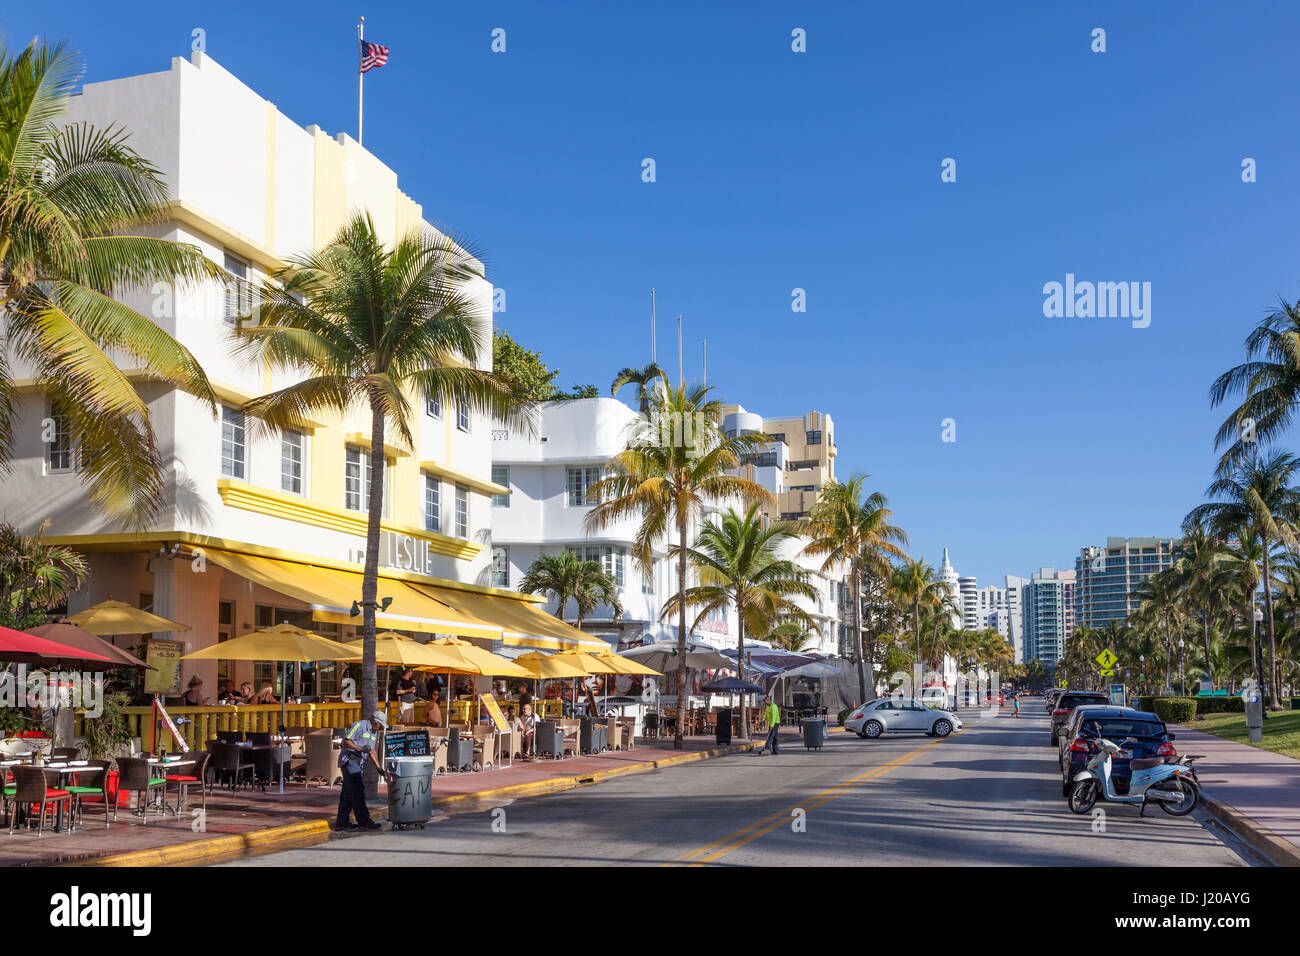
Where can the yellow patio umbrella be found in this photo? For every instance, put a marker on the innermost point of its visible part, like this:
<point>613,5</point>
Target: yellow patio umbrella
<point>548,666</point>
<point>283,643</point>
<point>117,617</point>
<point>475,660</point>
<point>393,648</point>
<point>625,665</point>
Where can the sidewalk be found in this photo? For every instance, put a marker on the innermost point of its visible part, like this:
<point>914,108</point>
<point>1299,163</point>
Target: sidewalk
<point>1260,786</point>
<point>250,821</point>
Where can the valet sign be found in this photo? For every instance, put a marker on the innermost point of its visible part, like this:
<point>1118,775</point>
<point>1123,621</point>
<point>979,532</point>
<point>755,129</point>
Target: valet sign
<point>404,552</point>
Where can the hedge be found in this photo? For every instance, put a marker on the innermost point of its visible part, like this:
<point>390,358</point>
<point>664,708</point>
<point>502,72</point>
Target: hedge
<point>1220,705</point>
<point>1176,710</point>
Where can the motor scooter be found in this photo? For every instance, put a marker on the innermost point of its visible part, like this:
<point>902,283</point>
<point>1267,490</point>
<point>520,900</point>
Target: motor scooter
<point>1171,785</point>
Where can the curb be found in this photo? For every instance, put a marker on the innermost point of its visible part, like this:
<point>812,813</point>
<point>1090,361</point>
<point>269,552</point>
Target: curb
<point>1273,848</point>
<point>295,836</point>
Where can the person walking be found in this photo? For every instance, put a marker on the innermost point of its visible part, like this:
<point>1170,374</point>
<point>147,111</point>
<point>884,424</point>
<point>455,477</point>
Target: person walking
<point>772,719</point>
<point>359,742</point>
<point>1015,704</point>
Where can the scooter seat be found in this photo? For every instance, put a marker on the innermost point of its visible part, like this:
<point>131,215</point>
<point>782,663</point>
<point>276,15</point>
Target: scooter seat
<point>1146,763</point>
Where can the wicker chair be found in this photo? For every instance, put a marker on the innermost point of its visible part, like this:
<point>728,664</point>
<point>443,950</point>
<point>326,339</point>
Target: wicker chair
<point>32,786</point>
<point>136,776</point>
<point>91,787</point>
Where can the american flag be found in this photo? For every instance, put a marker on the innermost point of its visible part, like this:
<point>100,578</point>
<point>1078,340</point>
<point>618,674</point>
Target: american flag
<point>372,55</point>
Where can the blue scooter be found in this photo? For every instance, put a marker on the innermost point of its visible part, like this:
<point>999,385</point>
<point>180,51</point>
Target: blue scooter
<point>1172,785</point>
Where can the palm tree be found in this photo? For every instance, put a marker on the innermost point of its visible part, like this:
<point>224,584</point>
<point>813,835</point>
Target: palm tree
<point>570,578</point>
<point>1259,492</point>
<point>71,199</point>
<point>364,324</point>
<point>1160,606</point>
<point>915,583</point>
<point>1202,575</point>
<point>1270,382</point>
<point>850,527</point>
<point>791,636</point>
<point>646,379</point>
<point>740,568</point>
<point>675,462</point>
<point>35,576</point>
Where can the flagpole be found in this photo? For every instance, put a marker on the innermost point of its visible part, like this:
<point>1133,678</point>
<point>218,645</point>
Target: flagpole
<point>653,360</point>
<point>361,35</point>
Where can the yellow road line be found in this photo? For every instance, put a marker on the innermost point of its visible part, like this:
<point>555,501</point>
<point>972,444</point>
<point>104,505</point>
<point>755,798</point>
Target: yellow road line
<point>719,848</point>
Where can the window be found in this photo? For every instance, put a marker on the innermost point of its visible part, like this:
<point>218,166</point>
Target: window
<point>814,437</point>
<point>501,476</point>
<point>648,579</point>
<point>58,441</point>
<point>433,406</point>
<point>580,481</point>
<point>356,480</point>
<point>462,416</point>
<point>778,436</point>
<point>432,516</point>
<point>233,451</point>
<point>462,512</point>
<point>239,291</point>
<point>291,457</point>
<point>501,567</point>
<point>609,558</point>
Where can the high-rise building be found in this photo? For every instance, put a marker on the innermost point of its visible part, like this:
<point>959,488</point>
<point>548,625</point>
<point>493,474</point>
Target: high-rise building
<point>795,465</point>
<point>1015,622</point>
<point>1106,577</point>
<point>968,588</point>
<point>1044,607</point>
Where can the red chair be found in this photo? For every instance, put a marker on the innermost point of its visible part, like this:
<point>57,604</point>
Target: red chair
<point>186,777</point>
<point>31,786</point>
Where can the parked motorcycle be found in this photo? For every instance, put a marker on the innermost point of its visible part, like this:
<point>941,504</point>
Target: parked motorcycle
<point>1171,785</point>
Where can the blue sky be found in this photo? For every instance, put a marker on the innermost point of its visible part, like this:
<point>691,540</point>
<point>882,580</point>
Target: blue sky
<point>821,171</point>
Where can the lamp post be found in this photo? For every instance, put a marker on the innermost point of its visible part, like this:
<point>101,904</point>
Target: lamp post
<point>1182,661</point>
<point>1142,673</point>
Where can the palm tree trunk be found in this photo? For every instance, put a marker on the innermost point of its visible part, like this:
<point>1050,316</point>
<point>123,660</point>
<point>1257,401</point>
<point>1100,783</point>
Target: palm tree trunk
<point>1205,633</point>
<point>370,584</point>
<point>1273,701</point>
<point>855,599</point>
<point>916,626</point>
<point>682,698</point>
<point>740,659</point>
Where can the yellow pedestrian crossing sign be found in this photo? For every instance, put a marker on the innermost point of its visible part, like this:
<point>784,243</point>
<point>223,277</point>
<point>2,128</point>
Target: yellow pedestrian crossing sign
<point>1109,672</point>
<point>1106,659</point>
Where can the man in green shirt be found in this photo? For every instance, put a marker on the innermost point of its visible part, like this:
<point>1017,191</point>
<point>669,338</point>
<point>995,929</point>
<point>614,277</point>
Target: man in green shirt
<point>772,719</point>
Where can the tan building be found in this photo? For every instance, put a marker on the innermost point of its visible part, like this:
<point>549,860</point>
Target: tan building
<point>795,465</point>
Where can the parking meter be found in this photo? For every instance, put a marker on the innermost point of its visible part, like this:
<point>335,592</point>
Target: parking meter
<point>1254,713</point>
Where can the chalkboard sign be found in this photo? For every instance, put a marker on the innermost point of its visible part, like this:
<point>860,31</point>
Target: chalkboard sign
<point>406,743</point>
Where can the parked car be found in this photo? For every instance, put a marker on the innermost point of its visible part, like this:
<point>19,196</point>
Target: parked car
<point>1067,702</point>
<point>1140,735</point>
<point>1070,729</point>
<point>901,715</point>
<point>1050,696</point>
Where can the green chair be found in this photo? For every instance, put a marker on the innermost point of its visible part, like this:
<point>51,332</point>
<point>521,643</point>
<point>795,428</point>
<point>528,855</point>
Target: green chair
<point>90,786</point>
<point>135,776</point>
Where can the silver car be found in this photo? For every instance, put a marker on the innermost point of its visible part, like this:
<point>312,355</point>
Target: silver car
<point>900,715</point>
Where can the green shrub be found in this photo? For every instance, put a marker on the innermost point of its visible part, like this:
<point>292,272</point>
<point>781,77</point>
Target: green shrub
<point>844,715</point>
<point>1176,710</point>
<point>1220,705</point>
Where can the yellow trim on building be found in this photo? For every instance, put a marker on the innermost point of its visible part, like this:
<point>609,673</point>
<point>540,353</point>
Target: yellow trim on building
<point>362,439</point>
<point>279,504</point>
<point>150,540</point>
<point>187,214</point>
<point>472,482</point>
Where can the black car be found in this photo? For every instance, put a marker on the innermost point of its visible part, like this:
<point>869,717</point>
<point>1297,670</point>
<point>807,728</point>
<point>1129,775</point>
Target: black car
<point>1067,702</point>
<point>1138,734</point>
<point>1070,729</point>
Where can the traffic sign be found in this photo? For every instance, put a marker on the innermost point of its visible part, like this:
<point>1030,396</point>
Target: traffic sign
<point>1110,672</point>
<point>1106,659</point>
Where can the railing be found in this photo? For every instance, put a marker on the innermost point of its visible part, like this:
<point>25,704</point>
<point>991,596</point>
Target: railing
<point>204,722</point>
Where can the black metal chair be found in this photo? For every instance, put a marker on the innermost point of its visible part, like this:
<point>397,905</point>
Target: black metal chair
<point>460,752</point>
<point>136,776</point>
<point>229,736</point>
<point>228,759</point>
<point>258,737</point>
<point>651,725</point>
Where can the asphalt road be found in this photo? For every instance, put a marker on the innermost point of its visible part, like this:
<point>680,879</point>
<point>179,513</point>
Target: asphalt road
<point>990,795</point>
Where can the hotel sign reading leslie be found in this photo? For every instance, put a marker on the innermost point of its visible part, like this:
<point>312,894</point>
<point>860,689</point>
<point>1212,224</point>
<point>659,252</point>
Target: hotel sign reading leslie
<point>404,552</point>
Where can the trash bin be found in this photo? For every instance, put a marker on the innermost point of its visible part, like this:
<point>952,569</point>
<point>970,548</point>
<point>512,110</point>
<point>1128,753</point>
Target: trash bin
<point>724,725</point>
<point>410,795</point>
<point>814,732</point>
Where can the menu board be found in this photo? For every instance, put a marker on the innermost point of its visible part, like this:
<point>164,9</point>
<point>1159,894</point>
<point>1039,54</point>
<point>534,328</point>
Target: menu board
<point>494,711</point>
<point>406,743</point>
<point>165,658</point>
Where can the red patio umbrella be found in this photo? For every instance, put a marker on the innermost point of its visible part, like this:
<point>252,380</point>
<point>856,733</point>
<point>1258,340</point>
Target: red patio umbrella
<point>29,648</point>
<point>87,645</point>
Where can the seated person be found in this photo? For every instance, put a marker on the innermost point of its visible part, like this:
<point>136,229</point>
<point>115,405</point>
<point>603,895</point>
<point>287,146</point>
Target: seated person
<point>245,695</point>
<point>265,696</point>
<point>526,726</point>
<point>194,693</point>
<point>432,712</point>
<point>228,693</point>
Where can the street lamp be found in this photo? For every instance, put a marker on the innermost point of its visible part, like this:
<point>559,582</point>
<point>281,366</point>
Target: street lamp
<point>1142,673</point>
<point>1182,660</point>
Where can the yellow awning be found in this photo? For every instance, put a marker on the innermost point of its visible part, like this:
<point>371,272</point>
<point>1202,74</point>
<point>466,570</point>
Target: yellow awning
<point>329,594</point>
<point>523,623</point>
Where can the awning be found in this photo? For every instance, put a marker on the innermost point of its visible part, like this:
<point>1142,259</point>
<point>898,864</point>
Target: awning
<point>523,623</point>
<point>329,594</point>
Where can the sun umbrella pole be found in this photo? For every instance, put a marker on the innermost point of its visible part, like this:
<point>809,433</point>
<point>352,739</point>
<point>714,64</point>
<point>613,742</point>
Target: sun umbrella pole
<point>283,697</point>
